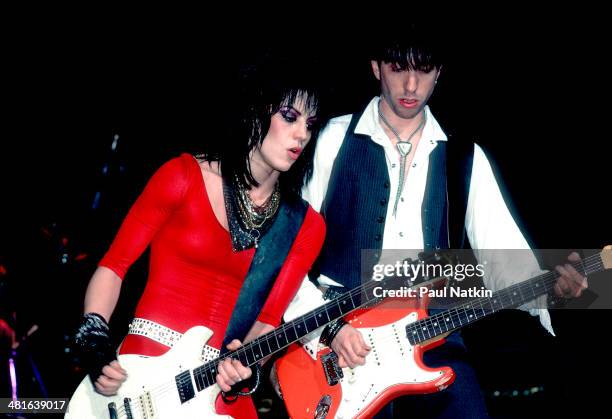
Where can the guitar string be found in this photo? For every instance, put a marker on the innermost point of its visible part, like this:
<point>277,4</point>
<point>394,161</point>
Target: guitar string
<point>456,315</point>
<point>160,390</point>
<point>212,365</point>
<point>587,264</point>
<point>382,339</point>
<point>547,279</point>
<point>290,325</point>
<point>524,288</point>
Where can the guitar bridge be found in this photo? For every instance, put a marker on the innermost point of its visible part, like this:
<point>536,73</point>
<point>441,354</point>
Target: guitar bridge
<point>333,372</point>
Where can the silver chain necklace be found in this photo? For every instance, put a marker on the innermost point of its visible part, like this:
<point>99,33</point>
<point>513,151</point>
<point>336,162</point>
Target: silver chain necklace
<point>404,148</point>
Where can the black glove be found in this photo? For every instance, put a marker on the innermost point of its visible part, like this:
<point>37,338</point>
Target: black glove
<point>92,345</point>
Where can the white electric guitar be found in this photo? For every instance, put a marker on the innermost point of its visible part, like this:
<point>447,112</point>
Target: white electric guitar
<point>178,385</point>
<point>166,386</point>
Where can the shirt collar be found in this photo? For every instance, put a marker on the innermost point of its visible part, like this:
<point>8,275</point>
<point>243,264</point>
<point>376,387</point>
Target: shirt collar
<point>369,124</point>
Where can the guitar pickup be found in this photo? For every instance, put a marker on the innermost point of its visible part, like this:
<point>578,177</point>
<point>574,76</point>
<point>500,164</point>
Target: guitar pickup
<point>333,372</point>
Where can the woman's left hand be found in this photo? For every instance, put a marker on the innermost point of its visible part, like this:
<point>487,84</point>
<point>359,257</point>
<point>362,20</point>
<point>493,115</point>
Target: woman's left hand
<point>232,371</point>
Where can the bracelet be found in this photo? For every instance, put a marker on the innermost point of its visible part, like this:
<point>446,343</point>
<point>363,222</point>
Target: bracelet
<point>92,325</point>
<point>331,330</point>
<point>93,320</point>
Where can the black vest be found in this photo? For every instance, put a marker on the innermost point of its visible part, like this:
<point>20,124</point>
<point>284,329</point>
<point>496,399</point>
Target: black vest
<point>355,206</point>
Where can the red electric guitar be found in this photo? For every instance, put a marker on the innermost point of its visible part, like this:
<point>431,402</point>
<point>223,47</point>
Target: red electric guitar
<point>398,335</point>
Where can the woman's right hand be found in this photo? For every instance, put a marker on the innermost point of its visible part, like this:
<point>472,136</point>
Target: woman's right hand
<point>95,353</point>
<point>110,380</point>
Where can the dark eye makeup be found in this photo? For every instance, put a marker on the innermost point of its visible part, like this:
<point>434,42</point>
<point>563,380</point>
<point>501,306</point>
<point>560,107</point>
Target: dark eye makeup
<point>289,114</point>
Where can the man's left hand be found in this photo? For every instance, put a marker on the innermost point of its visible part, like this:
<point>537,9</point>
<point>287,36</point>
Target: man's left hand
<point>571,283</point>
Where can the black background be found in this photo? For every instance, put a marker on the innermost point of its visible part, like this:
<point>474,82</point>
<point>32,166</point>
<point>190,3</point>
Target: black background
<point>533,92</point>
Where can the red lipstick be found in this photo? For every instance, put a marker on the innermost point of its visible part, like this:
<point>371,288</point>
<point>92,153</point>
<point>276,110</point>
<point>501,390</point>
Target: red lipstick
<point>294,152</point>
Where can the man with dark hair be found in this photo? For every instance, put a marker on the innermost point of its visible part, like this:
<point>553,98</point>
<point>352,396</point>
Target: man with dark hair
<point>388,177</point>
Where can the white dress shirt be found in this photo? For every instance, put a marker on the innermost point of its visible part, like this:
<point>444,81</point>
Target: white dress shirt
<point>488,222</point>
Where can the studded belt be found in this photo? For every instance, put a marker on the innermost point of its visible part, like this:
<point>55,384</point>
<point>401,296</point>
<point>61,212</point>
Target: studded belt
<point>166,336</point>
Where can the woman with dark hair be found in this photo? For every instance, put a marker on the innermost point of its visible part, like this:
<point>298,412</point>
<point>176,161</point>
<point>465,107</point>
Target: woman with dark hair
<point>205,217</point>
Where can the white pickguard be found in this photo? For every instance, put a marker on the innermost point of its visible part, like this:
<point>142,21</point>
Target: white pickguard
<point>391,361</point>
<point>151,385</point>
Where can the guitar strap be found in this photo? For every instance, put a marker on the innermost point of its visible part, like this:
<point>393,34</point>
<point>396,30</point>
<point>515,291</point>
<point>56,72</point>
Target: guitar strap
<point>268,260</point>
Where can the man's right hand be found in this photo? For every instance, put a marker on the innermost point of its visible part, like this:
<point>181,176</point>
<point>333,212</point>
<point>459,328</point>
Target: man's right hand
<point>350,347</point>
<point>110,380</point>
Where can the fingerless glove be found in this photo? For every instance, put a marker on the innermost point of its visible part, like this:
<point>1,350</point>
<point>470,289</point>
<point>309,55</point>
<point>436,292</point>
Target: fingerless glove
<point>92,345</point>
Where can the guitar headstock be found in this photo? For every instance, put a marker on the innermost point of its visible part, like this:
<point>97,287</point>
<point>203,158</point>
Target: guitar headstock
<point>606,257</point>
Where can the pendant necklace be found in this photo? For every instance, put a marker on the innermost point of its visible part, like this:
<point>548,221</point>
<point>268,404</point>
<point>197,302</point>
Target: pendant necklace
<point>404,147</point>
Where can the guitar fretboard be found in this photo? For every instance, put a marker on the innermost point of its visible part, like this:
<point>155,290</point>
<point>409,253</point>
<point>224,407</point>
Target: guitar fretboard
<point>511,297</point>
<point>290,332</point>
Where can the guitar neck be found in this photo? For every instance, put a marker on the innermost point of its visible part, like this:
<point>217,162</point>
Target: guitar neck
<point>418,332</point>
<point>511,297</point>
<point>290,332</point>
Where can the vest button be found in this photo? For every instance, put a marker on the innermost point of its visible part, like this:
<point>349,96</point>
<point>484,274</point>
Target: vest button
<point>386,185</point>
<point>377,237</point>
<point>380,219</point>
<point>383,201</point>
